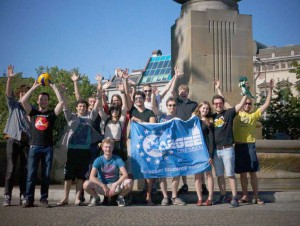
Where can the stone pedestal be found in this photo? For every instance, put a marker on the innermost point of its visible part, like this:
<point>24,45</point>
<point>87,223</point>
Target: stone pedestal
<point>211,40</point>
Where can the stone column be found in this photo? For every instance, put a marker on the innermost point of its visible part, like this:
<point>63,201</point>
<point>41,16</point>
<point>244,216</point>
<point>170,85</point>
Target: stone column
<point>211,39</point>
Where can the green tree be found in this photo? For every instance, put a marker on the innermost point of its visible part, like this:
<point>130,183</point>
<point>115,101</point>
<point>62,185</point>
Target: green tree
<point>296,70</point>
<point>283,115</point>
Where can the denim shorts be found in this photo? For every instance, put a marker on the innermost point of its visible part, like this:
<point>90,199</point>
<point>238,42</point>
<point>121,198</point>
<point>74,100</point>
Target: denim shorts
<point>224,160</point>
<point>245,158</point>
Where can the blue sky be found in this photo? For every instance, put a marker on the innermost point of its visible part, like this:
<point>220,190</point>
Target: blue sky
<point>97,36</point>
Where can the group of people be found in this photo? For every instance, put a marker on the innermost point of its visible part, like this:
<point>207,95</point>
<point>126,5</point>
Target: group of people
<point>96,138</point>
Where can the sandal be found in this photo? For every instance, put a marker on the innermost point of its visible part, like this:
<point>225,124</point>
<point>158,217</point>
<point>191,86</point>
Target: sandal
<point>258,201</point>
<point>208,202</point>
<point>62,203</point>
<point>199,203</point>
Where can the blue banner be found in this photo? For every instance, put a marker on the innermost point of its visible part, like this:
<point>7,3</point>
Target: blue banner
<point>169,149</point>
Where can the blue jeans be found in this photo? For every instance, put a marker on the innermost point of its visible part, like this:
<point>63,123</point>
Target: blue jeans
<point>37,154</point>
<point>224,160</point>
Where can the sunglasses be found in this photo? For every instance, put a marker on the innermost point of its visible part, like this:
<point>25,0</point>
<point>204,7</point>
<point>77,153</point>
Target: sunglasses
<point>139,98</point>
<point>148,91</point>
<point>248,104</point>
<point>171,105</point>
<point>218,103</point>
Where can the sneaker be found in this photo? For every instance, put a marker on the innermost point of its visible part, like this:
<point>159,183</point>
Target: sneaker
<point>204,189</point>
<point>165,202</point>
<point>44,203</point>
<point>27,204</point>
<point>7,200</point>
<point>95,201</point>
<point>234,203</point>
<point>121,201</point>
<point>184,189</point>
<point>178,201</point>
<point>222,199</point>
<point>22,199</point>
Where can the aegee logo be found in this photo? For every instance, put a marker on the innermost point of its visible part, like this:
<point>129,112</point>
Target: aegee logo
<point>157,146</point>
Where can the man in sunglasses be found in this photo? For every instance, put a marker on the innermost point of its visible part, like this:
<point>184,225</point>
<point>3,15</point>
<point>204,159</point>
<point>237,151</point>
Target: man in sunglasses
<point>224,155</point>
<point>246,160</point>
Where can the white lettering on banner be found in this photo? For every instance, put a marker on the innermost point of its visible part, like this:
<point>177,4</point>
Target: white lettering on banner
<point>183,142</point>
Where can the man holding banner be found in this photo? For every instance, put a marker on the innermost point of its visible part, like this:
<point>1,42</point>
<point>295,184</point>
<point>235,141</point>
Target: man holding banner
<point>170,149</point>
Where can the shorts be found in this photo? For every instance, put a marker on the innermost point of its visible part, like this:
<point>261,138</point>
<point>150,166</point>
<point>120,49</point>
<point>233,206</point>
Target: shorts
<point>119,188</point>
<point>77,165</point>
<point>224,160</point>
<point>245,158</point>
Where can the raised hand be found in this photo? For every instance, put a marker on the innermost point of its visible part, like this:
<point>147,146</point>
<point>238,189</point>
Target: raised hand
<point>107,85</point>
<point>74,77</point>
<point>217,83</point>
<point>119,72</point>
<point>99,77</point>
<point>10,71</point>
<point>178,72</point>
<point>155,90</point>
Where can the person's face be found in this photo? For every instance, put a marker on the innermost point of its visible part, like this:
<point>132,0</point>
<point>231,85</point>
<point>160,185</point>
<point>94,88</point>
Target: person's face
<point>91,102</point>
<point>218,105</point>
<point>171,107</point>
<point>107,149</point>
<point>81,109</point>
<point>147,90</point>
<point>183,93</point>
<point>247,106</point>
<point>43,101</point>
<point>204,110</point>
<point>115,113</point>
<point>116,101</point>
<point>139,100</point>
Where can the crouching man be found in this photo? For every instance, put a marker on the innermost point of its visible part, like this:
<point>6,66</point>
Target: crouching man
<point>104,178</point>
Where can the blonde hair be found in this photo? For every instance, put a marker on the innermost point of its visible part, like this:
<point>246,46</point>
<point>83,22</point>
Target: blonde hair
<point>107,141</point>
<point>208,117</point>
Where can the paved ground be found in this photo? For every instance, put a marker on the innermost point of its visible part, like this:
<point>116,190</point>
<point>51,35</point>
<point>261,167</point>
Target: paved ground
<point>248,214</point>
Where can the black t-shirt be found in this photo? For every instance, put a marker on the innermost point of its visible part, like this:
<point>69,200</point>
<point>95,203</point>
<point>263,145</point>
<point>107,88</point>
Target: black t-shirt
<point>144,116</point>
<point>184,110</point>
<point>208,134</point>
<point>223,127</point>
<point>41,125</point>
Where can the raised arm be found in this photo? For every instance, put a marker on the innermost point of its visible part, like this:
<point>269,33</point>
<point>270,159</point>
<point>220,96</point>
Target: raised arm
<point>75,79</point>
<point>178,73</point>
<point>98,103</point>
<point>239,106</point>
<point>25,98</point>
<point>269,97</point>
<point>153,101</point>
<point>59,106</point>
<point>219,92</point>
<point>124,75</point>
<point>10,75</point>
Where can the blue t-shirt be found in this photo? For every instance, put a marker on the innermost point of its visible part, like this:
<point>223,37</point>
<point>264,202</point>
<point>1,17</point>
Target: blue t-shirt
<point>108,170</point>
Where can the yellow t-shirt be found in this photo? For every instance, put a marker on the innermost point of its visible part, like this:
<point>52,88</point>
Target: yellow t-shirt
<point>244,125</point>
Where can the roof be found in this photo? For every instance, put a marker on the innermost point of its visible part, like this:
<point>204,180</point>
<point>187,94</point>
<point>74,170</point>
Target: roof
<point>158,69</point>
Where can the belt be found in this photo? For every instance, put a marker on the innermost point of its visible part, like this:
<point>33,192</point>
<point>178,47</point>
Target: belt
<point>224,146</point>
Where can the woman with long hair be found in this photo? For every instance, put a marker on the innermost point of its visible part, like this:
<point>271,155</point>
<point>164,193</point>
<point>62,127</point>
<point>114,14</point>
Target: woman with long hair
<point>204,112</point>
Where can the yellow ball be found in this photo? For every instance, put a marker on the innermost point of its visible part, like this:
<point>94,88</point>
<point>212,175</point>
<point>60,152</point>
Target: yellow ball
<point>44,79</point>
